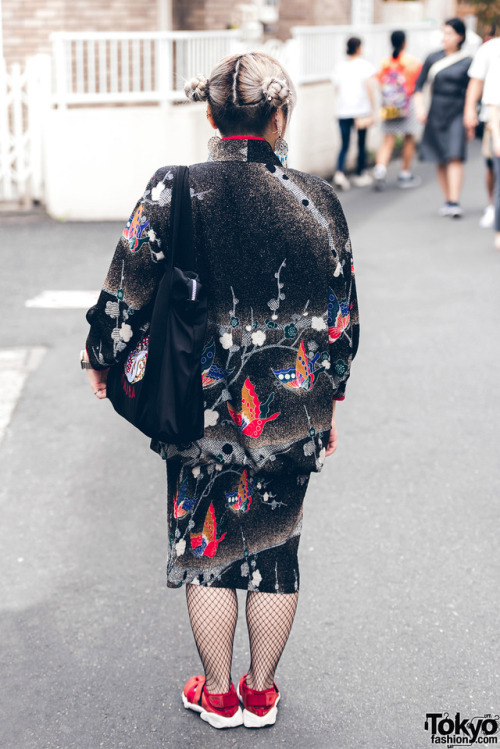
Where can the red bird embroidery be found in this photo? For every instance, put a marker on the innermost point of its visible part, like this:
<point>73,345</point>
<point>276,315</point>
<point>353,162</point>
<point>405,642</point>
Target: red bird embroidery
<point>241,499</point>
<point>253,415</point>
<point>205,544</point>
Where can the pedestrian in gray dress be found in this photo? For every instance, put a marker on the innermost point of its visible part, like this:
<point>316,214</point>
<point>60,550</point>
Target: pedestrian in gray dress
<point>445,140</point>
<point>273,250</point>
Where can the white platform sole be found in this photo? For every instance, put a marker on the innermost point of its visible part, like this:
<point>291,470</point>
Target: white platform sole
<point>214,719</point>
<point>250,720</point>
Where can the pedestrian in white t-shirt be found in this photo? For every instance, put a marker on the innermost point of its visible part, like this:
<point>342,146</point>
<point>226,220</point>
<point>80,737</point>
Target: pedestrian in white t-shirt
<point>352,79</point>
<point>484,57</point>
<point>491,99</point>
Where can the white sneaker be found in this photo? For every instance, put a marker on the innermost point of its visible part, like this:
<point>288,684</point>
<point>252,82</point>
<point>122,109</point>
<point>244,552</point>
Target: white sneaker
<point>341,181</point>
<point>455,211</point>
<point>379,175</point>
<point>445,209</point>
<point>362,180</point>
<point>407,181</point>
<point>487,220</point>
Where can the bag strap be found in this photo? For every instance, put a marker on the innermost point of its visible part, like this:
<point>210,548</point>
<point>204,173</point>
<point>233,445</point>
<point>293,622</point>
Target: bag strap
<point>181,229</point>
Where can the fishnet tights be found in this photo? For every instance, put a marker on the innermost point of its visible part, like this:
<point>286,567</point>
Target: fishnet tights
<point>269,620</point>
<point>213,613</point>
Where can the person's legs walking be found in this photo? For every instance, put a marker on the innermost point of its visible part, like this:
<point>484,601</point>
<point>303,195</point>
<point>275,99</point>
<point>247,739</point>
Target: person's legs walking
<point>382,159</point>
<point>455,174</point>
<point>361,152</point>
<point>269,619</point>
<point>408,152</point>
<point>345,125</point>
<point>455,178</point>
<point>487,220</point>
<point>406,178</point>
<point>442,176</point>
<point>213,613</point>
<point>361,179</point>
<point>339,178</point>
<point>497,203</point>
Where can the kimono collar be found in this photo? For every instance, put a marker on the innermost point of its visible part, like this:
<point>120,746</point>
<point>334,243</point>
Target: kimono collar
<point>242,149</point>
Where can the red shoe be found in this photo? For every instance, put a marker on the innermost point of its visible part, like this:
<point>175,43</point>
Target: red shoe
<point>220,710</point>
<point>260,707</point>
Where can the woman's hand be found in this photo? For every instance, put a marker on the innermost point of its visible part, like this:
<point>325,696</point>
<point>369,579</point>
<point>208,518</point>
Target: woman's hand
<point>420,109</point>
<point>332,441</point>
<point>97,380</point>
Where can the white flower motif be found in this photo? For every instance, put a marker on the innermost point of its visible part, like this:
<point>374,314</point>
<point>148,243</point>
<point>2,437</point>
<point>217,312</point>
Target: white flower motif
<point>321,456</point>
<point>126,332</point>
<point>308,448</point>
<point>256,578</point>
<point>226,340</point>
<point>112,309</point>
<point>317,323</point>
<point>180,547</point>
<point>265,496</point>
<point>245,570</point>
<point>327,364</point>
<point>258,338</point>
<point>157,191</point>
<point>195,471</point>
<point>211,417</point>
<point>218,466</point>
<point>152,235</point>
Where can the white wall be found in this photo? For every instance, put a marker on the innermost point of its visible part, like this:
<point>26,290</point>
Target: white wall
<point>99,159</point>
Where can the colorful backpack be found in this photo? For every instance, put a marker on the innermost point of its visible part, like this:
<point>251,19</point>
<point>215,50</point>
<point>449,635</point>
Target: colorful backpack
<point>395,98</point>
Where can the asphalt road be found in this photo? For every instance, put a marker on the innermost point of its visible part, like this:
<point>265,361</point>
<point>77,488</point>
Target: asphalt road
<point>400,562</point>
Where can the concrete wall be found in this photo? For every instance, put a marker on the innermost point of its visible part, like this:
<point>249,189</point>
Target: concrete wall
<point>99,159</point>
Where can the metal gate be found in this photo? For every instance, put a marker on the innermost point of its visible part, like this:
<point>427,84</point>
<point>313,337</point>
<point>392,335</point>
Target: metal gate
<point>24,102</point>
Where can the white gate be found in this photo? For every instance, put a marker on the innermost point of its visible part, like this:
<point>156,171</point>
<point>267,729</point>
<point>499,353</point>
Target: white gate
<point>24,100</point>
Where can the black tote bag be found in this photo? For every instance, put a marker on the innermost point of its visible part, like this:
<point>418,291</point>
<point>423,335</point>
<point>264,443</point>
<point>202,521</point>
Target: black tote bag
<point>159,388</point>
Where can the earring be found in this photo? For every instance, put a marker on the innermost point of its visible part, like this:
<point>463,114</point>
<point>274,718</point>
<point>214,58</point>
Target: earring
<point>281,149</point>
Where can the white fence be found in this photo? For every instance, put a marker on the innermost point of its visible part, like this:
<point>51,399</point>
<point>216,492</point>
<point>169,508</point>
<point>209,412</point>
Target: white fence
<point>318,49</point>
<point>92,68</point>
<point>24,99</point>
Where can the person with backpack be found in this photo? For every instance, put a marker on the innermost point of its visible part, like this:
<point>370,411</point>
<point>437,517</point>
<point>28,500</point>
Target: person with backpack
<point>397,77</point>
<point>445,139</point>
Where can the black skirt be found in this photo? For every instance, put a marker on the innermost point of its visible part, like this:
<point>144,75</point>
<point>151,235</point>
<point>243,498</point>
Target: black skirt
<point>444,137</point>
<point>231,528</point>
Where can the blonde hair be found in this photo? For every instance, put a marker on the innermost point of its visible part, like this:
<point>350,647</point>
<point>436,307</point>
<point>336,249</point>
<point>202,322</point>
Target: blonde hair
<point>243,92</point>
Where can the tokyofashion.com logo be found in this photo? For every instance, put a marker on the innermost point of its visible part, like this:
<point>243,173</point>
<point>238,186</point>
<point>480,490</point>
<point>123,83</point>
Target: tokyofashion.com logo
<point>458,731</point>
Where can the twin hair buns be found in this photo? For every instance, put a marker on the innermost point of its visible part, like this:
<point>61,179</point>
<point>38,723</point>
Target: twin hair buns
<point>275,90</point>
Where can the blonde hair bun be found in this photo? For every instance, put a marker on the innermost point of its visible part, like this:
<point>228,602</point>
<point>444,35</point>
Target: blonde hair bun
<point>276,91</point>
<point>197,88</point>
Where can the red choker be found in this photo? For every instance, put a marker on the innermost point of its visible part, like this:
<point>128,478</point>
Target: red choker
<point>242,137</point>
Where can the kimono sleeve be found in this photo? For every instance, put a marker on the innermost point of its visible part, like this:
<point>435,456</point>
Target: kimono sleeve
<point>343,313</point>
<point>122,313</point>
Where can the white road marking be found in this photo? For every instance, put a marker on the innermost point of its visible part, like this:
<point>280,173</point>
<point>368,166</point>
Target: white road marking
<point>63,300</point>
<point>15,366</point>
